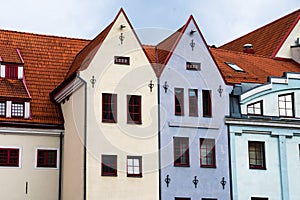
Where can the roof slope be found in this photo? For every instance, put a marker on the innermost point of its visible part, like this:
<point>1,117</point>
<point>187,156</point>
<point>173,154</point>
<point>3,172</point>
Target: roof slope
<point>267,39</point>
<point>256,68</point>
<point>46,62</point>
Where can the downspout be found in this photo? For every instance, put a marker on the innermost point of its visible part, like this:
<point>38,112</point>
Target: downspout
<point>60,164</point>
<point>158,126</point>
<point>84,137</point>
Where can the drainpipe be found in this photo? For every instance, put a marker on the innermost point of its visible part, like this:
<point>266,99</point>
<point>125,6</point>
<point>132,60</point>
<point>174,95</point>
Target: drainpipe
<point>159,142</point>
<point>60,164</point>
<point>84,137</point>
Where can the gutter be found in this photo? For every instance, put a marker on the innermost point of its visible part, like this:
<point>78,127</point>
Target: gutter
<point>159,142</point>
<point>60,165</point>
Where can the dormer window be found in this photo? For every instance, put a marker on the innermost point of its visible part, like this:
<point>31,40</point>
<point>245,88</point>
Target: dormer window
<point>17,109</point>
<point>11,71</point>
<point>255,108</point>
<point>2,108</point>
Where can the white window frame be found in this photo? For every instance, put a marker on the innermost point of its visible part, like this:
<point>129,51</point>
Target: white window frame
<point>20,157</point>
<point>46,148</point>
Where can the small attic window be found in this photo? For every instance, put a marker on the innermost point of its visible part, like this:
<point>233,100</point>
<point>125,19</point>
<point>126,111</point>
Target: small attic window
<point>234,67</point>
<point>193,66</point>
<point>122,60</point>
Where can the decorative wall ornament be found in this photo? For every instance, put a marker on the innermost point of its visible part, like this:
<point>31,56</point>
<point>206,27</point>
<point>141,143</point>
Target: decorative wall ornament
<point>151,85</point>
<point>220,90</point>
<point>122,38</point>
<point>166,86</point>
<point>195,181</point>
<point>192,44</point>
<point>93,81</point>
<point>167,180</point>
<point>223,182</point>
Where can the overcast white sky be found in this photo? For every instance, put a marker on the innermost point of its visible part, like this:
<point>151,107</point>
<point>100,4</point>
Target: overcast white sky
<point>219,20</point>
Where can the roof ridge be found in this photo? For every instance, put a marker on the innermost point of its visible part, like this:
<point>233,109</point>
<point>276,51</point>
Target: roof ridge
<point>42,35</point>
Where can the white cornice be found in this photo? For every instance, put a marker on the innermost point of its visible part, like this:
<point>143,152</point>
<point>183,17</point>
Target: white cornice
<point>30,131</point>
<point>281,124</point>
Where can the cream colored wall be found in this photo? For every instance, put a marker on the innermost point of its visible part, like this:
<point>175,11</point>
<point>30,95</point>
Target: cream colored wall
<point>285,50</point>
<point>72,170</point>
<point>42,182</point>
<point>121,139</point>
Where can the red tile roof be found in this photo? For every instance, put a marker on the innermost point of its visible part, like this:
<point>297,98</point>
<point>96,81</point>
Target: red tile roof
<point>10,88</point>
<point>46,62</point>
<point>268,39</point>
<point>256,68</point>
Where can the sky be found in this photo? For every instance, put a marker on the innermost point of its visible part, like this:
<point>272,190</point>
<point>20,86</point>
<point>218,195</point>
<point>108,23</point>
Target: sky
<point>220,21</point>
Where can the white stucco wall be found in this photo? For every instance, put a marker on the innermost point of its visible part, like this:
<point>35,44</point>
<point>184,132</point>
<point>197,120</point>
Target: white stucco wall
<point>42,182</point>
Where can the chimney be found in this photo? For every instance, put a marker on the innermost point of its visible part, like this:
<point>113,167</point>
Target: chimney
<point>248,48</point>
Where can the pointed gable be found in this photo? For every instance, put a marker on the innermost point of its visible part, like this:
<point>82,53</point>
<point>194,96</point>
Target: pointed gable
<point>268,39</point>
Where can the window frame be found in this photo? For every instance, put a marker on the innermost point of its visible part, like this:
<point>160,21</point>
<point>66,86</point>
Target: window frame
<point>182,198</point>
<point>193,66</point>
<point>179,102</point>
<point>207,142</point>
<point>11,71</point>
<point>285,106</point>
<point>12,110</point>
<point>262,151</point>
<point>179,153</point>
<point>4,102</point>
<point>111,104</point>
<point>8,164</point>
<point>118,60</point>
<point>206,103</point>
<point>47,165</point>
<point>193,103</point>
<point>131,115</point>
<point>140,174</point>
<point>113,165</point>
<point>259,198</point>
<point>254,109</point>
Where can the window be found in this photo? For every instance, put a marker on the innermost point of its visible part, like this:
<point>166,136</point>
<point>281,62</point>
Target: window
<point>255,108</point>
<point>181,151</point>
<point>2,109</point>
<point>208,199</point>
<point>207,153</point>
<point>9,157</point>
<point>259,198</point>
<point>234,67</point>
<point>17,109</point>
<point>47,158</point>
<point>109,165</point>
<point>134,166</point>
<point>206,102</point>
<point>179,101</point>
<point>122,60</point>
<point>109,108</point>
<point>193,102</point>
<point>134,112</point>
<point>286,105</point>
<point>11,71</point>
<point>193,66</point>
<point>256,152</point>
<point>181,198</point>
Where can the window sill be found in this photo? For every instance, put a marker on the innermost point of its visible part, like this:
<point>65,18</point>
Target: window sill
<point>177,165</point>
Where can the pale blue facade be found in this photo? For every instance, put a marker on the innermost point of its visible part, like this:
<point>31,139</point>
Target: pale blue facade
<point>193,181</point>
<point>278,131</point>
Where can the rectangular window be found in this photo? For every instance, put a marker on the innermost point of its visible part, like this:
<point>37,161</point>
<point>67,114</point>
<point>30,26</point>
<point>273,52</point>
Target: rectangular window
<point>193,102</point>
<point>47,158</point>
<point>256,152</point>
<point>134,166</point>
<point>9,157</point>
<point>208,199</point>
<point>179,101</point>
<point>286,105</point>
<point>17,109</point>
<point>193,66</point>
<point>182,198</point>
<point>109,165</point>
<point>207,153</point>
<point>259,198</point>
<point>134,111</point>
<point>181,152</point>
<point>121,60</point>
<point>11,71</point>
<point>255,108</point>
<point>2,108</point>
<point>206,102</point>
<point>109,108</point>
